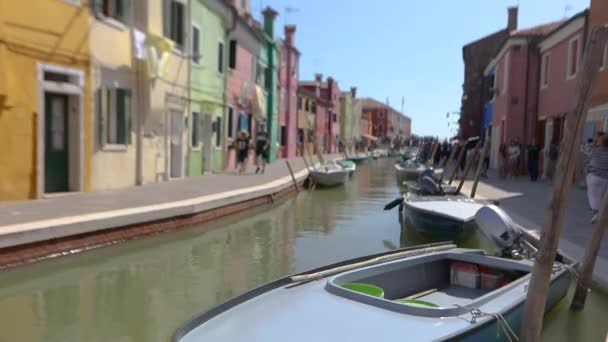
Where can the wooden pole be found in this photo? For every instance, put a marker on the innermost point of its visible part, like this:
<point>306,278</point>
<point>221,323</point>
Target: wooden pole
<point>293,178</point>
<point>461,155</point>
<point>306,163</point>
<point>484,151</point>
<point>445,163</point>
<point>434,149</point>
<point>468,166</point>
<point>584,282</point>
<point>534,307</point>
<point>312,164</point>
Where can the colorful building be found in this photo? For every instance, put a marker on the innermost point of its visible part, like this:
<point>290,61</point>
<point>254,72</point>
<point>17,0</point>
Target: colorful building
<point>476,56</point>
<point>357,116</point>
<point>307,119</point>
<point>597,119</point>
<point>45,103</point>
<point>515,89</point>
<point>208,80</point>
<point>115,73</point>
<point>269,58</point>
<point>288,89</point>
<point>246,98</point>
<point>561,53</point>
<point>349,121</point>
<point>328,111</point>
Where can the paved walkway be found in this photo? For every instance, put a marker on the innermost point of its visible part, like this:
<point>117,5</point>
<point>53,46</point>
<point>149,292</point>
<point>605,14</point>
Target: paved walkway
<point>527,203</point>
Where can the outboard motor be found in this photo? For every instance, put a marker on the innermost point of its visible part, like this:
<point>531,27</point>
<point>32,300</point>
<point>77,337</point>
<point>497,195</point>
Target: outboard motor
<point>497,226</point>
<point>429,186</point>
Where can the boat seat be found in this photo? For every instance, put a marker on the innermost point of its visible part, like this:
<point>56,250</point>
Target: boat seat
<point>453,295</point>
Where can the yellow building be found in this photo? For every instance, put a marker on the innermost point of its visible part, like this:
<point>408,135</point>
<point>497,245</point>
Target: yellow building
<point>45,121</point>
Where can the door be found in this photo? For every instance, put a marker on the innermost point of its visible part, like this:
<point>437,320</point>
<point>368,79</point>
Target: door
<point>177,137</point>
<point>207,153</point>
<point>56,162</point>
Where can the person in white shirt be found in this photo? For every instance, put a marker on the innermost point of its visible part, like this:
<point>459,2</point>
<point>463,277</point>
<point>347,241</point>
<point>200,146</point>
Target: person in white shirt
<point>513,153</point>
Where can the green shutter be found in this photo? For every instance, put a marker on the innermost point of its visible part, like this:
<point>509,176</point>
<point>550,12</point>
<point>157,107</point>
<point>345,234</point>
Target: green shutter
<point>123,116</point>
<point>128,114</point>
<point>102,110</point>
<point>97,7</point>
<point>122,10</point>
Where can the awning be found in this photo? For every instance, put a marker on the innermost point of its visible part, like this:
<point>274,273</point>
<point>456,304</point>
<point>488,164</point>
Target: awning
<point>260,102</point>
<point>598,113</point>
<point>370,137</point>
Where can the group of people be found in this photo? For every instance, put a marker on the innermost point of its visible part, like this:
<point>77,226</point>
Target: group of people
<point>509,160</point>
<point>243,144</point>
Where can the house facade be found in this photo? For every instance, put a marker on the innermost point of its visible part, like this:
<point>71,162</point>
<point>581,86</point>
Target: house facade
<point>287,92</point>
<point>515,89</point>
<point>45,102</point>
<point>115,74</point>
<point>597,118</point>
<point>561,52</point>
<point>476,56</point>
<point>346,117</point>
<point>307,121</point>
<point>269,59</point>
<point>246,98</point>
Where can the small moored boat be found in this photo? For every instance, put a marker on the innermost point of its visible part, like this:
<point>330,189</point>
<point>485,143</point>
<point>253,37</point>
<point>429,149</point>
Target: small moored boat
<point>330,174</point>
<point>348,165</point>
<point>435,292</point>
<point>447,216</point>
<point>359,157</point>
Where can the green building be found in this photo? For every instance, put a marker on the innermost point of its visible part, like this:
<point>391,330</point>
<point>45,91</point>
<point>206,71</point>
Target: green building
<point>269,56</point>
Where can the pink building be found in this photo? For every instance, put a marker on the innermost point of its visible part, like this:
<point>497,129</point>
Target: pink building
<point>517,66</point>
<point>243,104</point>
<point>288,92</point>
<point>561,53</point>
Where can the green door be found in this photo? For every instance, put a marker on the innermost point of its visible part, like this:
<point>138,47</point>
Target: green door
<point>56,143</point>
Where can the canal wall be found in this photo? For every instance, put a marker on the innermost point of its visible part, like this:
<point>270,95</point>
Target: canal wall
<point>71,224</point>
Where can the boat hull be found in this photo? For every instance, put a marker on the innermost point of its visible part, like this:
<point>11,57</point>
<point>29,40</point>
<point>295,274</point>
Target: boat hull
<point>330,179</point>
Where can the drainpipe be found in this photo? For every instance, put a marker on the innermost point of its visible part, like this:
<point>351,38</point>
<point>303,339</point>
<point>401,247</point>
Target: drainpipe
<point>530,43</point>
<point>233,15</point>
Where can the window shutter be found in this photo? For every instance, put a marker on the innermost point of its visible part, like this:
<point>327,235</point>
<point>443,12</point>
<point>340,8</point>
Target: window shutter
<point>232,52</point>
<point>102,110</point>
<point>122,10</point>
<point>97,7</point>
<point>121,121</point>
<point>128,114</point>
<point>167,18</point>
<point>218,137</point>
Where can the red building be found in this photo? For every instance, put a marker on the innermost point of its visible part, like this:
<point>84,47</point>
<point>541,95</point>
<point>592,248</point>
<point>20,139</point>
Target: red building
<point>476,56</point>
<point>561,53</point>
<point>597,119</point>
<point>384,120</point>
<point>515,88</point>
<point>288,92</point>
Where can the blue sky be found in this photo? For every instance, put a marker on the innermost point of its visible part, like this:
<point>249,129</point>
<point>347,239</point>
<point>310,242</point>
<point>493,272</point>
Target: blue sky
<point>410,48</point>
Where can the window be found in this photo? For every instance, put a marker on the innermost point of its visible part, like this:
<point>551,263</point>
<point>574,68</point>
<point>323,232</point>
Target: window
<point>195,130</point>
<point>603,61</point>
<point>114,116</point>
<point>115,9</point>
<point>544,71</point>
<point>173,21</point>
<point>505,80</point>
<point>495,86</point>
<point>283,135</point>
<point>573,56</point>
<point>220,57</point>
<point>260,74</point>
<point>230,122</point>
<point>232,54</point>
<point>244,5</point>
<point>196,44</point>
<point>335,117</point>
<point>218,132</point>
<point>314,107</point>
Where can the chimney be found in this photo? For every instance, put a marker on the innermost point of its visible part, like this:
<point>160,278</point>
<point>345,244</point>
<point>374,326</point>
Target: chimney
<point>318,80</point>
<point>353,92</point>
<point>330,89</point>
<point>269,16</point>
<point>512,24</point>
<point>290,31</point>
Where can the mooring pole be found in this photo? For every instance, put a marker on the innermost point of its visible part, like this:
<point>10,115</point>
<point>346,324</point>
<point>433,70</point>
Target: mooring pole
<point>445,163</point>
<point>468,166</point>
<point>293,178</point>
<point>586,275</point>
<point>461,155</point>
<point>434,149</point>
<point>534,307</point>
<point>482,156</point>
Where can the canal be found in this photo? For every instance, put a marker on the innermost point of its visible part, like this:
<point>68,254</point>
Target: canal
<point>142,290</point>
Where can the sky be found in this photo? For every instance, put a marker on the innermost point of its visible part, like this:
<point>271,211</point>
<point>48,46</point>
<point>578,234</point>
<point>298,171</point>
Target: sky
<point>398,49</point>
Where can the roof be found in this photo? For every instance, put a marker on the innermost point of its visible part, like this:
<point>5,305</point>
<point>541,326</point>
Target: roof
<point>375,104</point>
<point>539,30</point>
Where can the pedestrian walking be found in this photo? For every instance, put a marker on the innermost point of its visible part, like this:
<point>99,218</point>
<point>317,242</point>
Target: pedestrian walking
<point>262,148</point>
<point>502,160</point>
<point>552,162</point>
<point>513,153</point>
<point>597,179</point>
<point>520,147</point>
<point>533,158</point>
<point>242,151</point>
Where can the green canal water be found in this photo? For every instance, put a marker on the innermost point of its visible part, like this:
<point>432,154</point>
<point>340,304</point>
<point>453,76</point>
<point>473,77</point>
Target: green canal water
<point>143,290</point>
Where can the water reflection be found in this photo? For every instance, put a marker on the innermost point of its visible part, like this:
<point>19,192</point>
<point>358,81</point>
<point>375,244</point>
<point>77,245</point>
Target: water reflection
<point>143,290</point>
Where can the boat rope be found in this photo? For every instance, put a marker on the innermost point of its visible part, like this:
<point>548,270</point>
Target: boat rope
<point>500,319</point>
